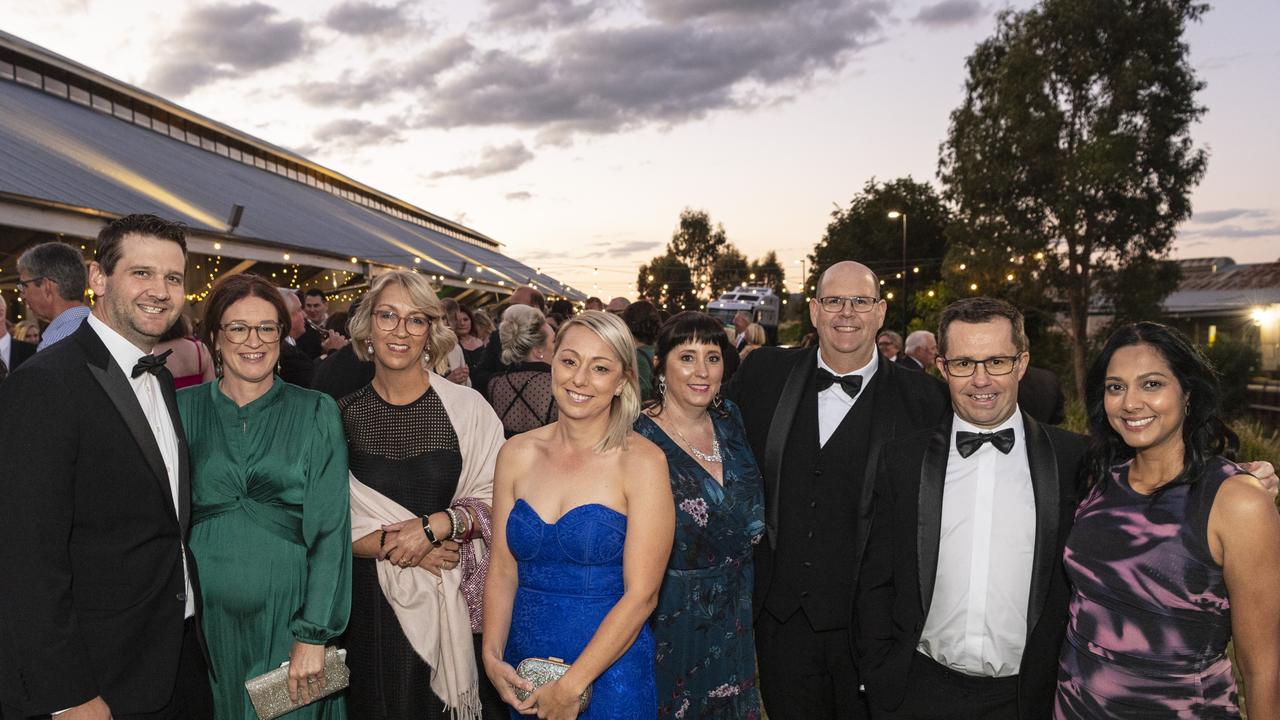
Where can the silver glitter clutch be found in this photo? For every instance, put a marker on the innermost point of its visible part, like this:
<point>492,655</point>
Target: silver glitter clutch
<point>269,692</point>
<point>541,671</point>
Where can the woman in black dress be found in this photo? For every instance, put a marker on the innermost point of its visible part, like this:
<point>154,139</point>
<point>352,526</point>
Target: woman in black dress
<point>419,448</point>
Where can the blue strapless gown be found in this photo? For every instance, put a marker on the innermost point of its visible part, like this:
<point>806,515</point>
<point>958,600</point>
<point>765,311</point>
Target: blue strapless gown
<point>570,578</point>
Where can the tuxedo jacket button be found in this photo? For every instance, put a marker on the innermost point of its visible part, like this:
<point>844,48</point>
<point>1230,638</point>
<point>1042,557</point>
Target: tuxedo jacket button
<point>182,597</point>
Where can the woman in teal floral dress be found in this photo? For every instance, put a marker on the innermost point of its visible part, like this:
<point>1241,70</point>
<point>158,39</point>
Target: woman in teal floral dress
<point>705,643</point>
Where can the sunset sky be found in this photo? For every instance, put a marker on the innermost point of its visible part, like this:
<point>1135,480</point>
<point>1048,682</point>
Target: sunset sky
<point>574,133</point>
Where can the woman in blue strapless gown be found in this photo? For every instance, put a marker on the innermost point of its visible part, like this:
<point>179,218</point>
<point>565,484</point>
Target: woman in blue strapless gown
<point>583,524</point>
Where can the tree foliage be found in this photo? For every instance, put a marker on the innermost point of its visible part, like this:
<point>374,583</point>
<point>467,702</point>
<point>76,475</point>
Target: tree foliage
<point>729,270</point>
<point>667,282</point>
<point>698,243</point>
<point>1073,140</point>
<point>768,271</point>
<point>865,232</point>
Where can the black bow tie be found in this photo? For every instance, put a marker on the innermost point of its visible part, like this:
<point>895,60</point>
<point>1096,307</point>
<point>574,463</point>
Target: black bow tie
<point>851,384</point>
<point>150,364</point>
<point>969,442</point>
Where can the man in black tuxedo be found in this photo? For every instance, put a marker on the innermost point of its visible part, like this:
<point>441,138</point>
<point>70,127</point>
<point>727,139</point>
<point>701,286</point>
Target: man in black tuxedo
<point>296,366</point>
<point>13,352</point>
<point>97,615</point>
<point>816,419</point>
<point>970,627</point>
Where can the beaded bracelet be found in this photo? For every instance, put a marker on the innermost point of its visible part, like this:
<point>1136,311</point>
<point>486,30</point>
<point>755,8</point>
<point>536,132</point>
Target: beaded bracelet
<point>455,523</point>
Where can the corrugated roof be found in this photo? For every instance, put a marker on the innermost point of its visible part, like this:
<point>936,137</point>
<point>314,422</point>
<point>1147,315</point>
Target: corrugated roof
<point>1253,276</point>
<point>52,148</point>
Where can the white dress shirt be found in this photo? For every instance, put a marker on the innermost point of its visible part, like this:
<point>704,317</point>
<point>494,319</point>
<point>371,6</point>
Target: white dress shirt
<point>834,403</point>
<point>977,622</point>
<point>6,349</point>
<point>147,387</point>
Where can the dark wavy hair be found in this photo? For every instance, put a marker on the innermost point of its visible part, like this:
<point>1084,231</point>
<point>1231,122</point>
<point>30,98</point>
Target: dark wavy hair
<point>689,326</point>
<point>1204,434</point>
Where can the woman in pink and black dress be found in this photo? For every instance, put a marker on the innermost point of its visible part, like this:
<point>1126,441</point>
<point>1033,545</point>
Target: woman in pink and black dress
<point>189,360</point>
<point>1175,549</point>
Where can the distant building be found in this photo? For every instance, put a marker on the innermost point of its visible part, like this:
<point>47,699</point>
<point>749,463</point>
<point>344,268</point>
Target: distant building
<point>1219,298</point>
<point>79,148</point>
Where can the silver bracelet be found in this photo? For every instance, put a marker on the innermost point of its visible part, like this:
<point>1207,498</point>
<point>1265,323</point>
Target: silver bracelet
<point>455,524</point>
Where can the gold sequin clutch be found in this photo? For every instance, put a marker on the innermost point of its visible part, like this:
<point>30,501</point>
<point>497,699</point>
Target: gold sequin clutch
<point>541,671</point>
<point>269,692</point>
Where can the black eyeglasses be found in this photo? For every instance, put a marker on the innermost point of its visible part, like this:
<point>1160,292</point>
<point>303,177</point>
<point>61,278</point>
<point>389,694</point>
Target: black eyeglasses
<point>387,321</point>
<point>835,303</point>
<point>22,284</point>
<point>995,365</point>
<point>237,333</point>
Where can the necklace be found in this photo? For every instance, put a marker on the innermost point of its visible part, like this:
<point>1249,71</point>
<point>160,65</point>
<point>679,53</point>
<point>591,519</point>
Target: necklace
<point>714,457</point>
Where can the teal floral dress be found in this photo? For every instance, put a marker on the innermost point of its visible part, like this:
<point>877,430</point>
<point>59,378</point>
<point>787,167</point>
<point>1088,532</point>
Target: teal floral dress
<point>705,643</point>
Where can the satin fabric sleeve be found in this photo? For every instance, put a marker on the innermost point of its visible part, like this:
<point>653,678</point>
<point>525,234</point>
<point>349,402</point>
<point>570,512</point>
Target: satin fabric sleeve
<point>326,531</point>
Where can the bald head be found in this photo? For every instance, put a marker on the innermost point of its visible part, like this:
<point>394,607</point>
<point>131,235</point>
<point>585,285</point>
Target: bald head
<point>846,333</point>
<point>525,295</point>
<point>851,271</point>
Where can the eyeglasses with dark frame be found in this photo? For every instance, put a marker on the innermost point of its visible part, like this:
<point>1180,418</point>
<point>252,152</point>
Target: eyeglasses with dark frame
<point>995,365</point>
<point>237,332</point>
<point>836,303</point>
<point>22,284</point>
<point>388,321</point>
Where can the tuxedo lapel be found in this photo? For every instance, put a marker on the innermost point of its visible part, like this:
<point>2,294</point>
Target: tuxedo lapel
<point>112,379</point>
<point>1046,485</point>
<point>779,429</point>
<point>184,467</point>
<point>883,428</point>
<point>933,477</point>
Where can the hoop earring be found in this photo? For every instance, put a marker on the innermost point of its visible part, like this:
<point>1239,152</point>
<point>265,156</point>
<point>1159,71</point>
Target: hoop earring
<point>662,386</point>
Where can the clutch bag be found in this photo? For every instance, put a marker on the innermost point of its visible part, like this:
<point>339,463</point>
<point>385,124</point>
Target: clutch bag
<point>541,671</point>
<point>269,692</point>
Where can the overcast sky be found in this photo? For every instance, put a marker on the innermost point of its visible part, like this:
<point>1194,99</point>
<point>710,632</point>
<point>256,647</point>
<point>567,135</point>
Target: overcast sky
<point>574,133</point>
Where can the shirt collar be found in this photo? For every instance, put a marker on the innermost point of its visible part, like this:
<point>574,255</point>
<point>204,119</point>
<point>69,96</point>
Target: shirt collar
<point>1014,421</point>
<point>866,371</point>
<point>125,353</point>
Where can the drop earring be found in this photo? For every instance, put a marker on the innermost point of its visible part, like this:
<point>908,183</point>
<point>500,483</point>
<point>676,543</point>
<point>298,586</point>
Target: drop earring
<point>368,346</point>
<point>662,386</point>
<point>217,364</point>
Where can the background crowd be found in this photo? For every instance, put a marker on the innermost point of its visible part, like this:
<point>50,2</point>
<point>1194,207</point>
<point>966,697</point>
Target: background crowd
<point>701,525</point>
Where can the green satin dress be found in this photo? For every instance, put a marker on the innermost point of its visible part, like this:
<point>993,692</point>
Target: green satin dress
<point>271,533</point>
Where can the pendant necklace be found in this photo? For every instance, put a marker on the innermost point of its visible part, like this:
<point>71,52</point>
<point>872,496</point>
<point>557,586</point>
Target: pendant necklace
<point>714,457</point>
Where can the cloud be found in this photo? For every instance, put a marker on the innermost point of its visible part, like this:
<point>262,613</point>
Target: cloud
<point>950,13</point>
<point>224,40</point>
<point>1235,232</point>
<point>519,196</point>
<point>493,161</point>
<point>682,10</point>
<point>1213,217</point>
<point>628,248</point>
<point>540,14</point>
<point>354,133</point>
<point>687,65</point>
<point>381,84</point>
<point>358,17</point>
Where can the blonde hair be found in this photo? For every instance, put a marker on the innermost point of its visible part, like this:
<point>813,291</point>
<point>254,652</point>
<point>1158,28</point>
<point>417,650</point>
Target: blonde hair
<point>523,328</point>
<point>440,339</point>
<point>625,407</point>
<point>755,334</point>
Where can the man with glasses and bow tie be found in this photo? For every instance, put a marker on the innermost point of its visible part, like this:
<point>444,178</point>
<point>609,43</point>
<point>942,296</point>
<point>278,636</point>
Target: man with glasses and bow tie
<point>96,619</point>
<point>817,419</point>
<point>963,603</point>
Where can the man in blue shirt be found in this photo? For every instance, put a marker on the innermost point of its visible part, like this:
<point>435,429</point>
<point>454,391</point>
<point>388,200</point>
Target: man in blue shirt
<point>52,279</point>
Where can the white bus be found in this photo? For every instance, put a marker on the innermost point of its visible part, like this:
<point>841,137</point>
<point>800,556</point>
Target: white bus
<point>756,300</point>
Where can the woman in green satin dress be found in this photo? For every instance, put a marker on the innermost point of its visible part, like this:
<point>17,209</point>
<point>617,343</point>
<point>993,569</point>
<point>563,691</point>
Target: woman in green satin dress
<point>271,523</point>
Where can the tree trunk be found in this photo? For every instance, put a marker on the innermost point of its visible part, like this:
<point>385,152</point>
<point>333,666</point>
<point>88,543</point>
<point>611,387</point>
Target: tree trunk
<point>1079,304</point>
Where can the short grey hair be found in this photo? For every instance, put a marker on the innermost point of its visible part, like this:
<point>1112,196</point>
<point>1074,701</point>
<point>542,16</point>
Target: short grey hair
<point>60,263</point>
<point>918,339</point>
<point>892,335</point>
<point>523,328</point>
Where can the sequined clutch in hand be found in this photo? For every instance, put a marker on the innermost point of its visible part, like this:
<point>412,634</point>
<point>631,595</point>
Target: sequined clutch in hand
<point>541,671</point>
<point>269,692</point>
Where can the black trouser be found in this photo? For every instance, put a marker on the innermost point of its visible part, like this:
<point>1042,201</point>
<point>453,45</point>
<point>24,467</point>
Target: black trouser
<point>806,674</point>
<point>935,692</point>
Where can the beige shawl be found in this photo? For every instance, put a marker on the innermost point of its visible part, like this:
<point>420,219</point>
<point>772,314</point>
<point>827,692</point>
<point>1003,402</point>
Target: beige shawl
<point>432,611</point>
